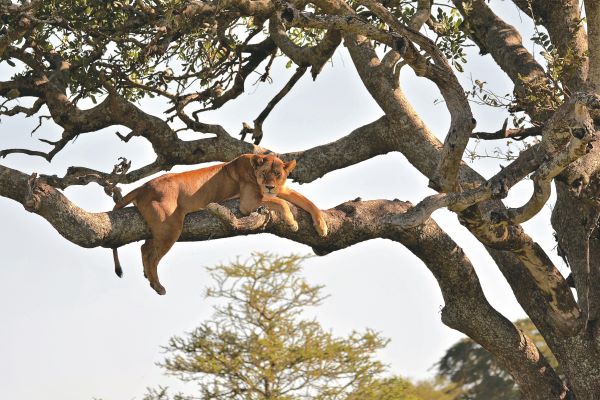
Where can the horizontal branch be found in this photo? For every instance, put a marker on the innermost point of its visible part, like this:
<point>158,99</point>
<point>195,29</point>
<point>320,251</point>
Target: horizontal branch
<point>348,223</point>
<point>505,133</point>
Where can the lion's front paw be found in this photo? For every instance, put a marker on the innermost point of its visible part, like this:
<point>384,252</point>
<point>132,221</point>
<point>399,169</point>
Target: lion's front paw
<point>293,225</point>
<point>321,227</point>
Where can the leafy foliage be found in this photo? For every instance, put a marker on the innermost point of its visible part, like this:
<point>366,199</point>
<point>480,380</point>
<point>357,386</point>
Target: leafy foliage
<point>257,346</point>
<point>397,388</point>
<point>451,37</point>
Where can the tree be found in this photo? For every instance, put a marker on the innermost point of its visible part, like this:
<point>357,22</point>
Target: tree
<point>258,346</point>
<point>397,388</point>
<point>479,374</point>
<point>87,62</point>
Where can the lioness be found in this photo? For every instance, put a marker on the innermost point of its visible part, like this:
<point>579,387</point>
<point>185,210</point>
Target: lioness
<point>164,201</point>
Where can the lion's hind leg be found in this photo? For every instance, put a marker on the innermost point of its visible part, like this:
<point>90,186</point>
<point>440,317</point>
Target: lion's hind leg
<point>152,252</point>
<point>165,222</point>
<point>154,249</point>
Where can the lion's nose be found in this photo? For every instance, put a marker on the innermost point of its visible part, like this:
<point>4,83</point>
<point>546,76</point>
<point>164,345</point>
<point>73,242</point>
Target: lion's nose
<point>270,187</point>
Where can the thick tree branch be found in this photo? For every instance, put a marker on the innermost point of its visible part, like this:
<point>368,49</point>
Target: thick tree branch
<point>504,43</point>
<point>422,150</point>
<point>467,310</point>
<point>462,121</point>
<point>563,21</point>
<point>592,13</point>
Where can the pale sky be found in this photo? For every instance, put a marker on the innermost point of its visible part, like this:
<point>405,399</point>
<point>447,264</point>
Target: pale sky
<point>70,329</point>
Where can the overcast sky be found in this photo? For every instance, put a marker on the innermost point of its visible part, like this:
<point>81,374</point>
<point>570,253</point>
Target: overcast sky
<point>70,329</point>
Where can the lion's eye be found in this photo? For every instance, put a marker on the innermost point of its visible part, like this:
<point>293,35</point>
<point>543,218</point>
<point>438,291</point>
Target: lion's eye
<point>277,174</point>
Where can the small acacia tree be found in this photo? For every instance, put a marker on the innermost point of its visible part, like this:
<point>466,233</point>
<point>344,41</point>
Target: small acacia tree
<point>258,346</point>
<point>66,55</point>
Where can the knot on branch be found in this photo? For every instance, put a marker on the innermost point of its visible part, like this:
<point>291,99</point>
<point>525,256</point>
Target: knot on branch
<point>256,131</point>
<point>118,173</point>
<point>593,101</point>
<point>453,315</point>
<point>400,45</point>
<point>498,217</point>
<point>498,189</point>
<point>579,183</point>
<point>257,220</point>
<point>578,133</point>
<point>287,14</point>
<point>35,191</point>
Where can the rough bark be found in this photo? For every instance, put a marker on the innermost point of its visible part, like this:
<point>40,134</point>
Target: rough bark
<point>562,19</point>
<point>592,11</point>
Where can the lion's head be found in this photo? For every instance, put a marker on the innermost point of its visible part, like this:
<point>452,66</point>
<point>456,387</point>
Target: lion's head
<point>271,173</point>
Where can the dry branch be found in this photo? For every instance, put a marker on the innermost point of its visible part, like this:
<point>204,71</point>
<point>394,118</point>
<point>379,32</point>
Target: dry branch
<point>257,132</point>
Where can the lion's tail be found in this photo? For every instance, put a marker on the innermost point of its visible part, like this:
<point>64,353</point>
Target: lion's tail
<point>126,200</point>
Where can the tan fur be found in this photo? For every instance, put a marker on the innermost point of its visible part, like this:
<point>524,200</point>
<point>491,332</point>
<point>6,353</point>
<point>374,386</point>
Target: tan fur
<point>164,201</point>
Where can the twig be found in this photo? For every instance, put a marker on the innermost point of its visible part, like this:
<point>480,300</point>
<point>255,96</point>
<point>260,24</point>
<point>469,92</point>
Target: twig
<point>257,132</point>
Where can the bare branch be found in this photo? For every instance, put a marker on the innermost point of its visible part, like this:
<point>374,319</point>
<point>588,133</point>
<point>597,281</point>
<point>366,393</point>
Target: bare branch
<point>4,153</point>
<point>28,111</point>
<point>458,202</point>
<point>505,133</point>
<point>76,176</point>
<point>257,132</point>
<point>579,145</point>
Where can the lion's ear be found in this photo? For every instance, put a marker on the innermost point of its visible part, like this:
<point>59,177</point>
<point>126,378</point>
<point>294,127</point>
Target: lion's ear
<point>257,161</point>
<point>289,166</point>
